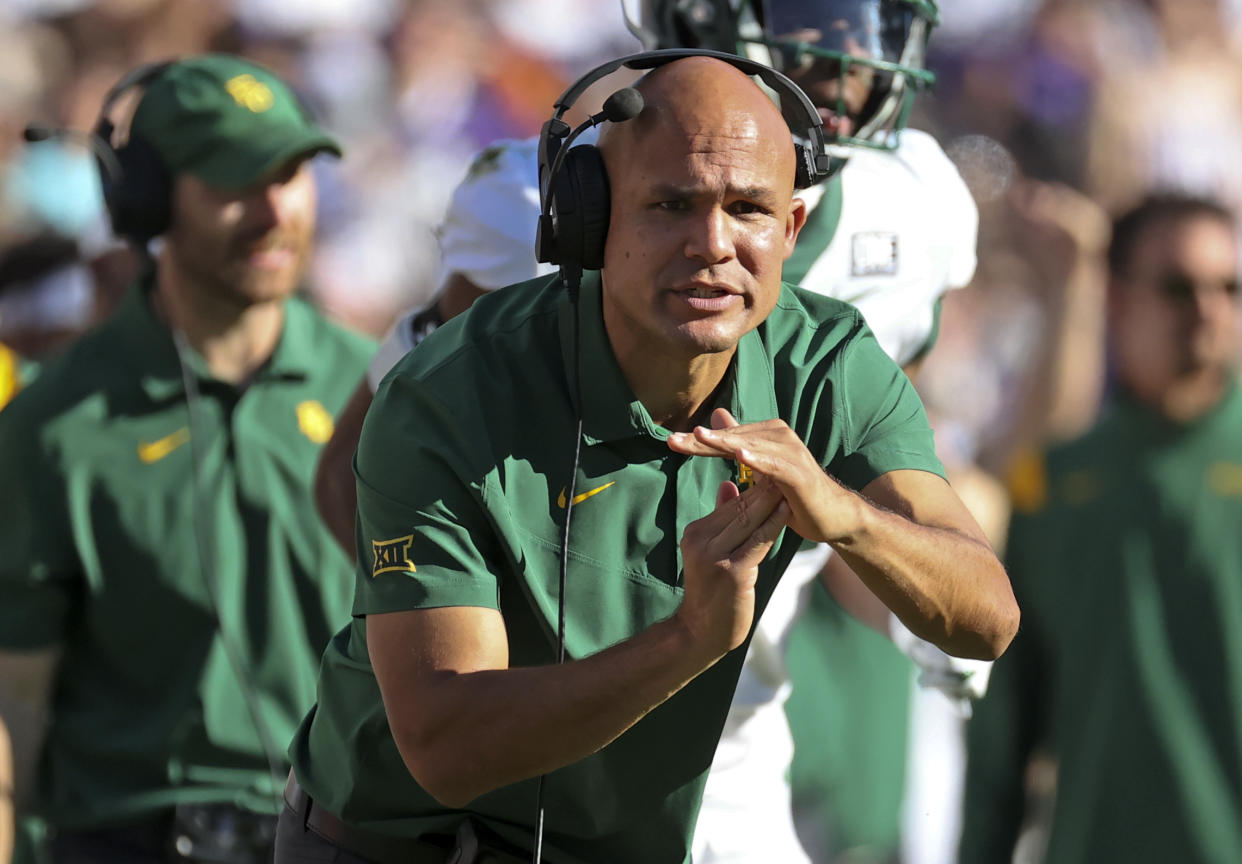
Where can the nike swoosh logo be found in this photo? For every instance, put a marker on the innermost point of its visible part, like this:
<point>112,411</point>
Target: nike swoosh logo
<point>578,499</point>
<point>157,450</point>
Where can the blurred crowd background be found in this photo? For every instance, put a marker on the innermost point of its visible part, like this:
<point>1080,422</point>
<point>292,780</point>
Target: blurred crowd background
<point>1058,114</point>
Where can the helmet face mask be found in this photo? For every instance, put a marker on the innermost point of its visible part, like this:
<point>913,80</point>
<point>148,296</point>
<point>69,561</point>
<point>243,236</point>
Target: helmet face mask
<point>860,61</point>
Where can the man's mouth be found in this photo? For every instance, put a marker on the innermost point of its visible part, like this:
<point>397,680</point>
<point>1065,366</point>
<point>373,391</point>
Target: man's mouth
<point>273,252</point>
<point>270,258</point>
<point>709,298</point>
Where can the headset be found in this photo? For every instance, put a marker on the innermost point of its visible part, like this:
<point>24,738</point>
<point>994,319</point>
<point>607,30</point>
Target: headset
<point>574,207</point>
<point>574,195</point>
<point>137,186</point>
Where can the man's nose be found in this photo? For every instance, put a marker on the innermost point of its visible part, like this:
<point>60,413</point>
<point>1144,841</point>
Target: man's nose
<point>264,206</point>
<point>710,236</point>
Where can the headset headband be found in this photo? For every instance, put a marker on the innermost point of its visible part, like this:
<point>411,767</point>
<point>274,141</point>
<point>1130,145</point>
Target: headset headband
<point>140,77</point>
<point>573,185</point>
<point>818,168</point>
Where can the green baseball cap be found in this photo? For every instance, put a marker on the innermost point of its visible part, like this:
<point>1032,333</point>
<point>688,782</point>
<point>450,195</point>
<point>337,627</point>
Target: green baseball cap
<point>225,120</point>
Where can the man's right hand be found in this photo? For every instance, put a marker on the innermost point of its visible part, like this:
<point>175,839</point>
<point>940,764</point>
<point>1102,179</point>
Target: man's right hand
<point>455,706</point>
<point>721,554</point>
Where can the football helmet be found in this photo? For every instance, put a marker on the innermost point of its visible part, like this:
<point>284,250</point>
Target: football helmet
<point>860,61</point>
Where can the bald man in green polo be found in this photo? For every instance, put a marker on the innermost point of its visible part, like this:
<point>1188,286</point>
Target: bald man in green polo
<point>167,585</point>
<point>442,703</point>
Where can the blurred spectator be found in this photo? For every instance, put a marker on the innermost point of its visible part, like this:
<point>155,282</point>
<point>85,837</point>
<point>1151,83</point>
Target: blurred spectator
<point>168,588</point>
<point>1127,560</point>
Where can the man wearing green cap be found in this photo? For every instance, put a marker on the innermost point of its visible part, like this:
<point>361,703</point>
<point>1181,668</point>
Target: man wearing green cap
<point>167,586</point>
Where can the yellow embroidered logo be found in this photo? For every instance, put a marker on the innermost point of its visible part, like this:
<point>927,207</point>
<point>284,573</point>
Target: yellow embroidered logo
<point>578,499</point>
<point>157,450</point>
<point>1225,479</point>
<point>250,93</point>
<point>315,421</point>
<point>1028,481</point>
<point>10,376</point>
<point>745,476</point>
<point>392,556</point>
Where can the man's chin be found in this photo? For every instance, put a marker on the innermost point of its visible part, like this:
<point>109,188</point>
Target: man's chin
<point>264,286</point>
<point>702,337</point>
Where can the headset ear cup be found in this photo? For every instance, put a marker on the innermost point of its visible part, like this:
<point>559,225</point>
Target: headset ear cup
<point>583,205</point>
<point>804,168</point>
<point>140,203</point>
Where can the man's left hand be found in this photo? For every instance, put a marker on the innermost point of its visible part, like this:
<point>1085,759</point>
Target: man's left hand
<point>822,509</point>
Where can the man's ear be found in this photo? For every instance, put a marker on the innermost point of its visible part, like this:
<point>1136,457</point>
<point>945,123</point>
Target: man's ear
<point>793,224</point>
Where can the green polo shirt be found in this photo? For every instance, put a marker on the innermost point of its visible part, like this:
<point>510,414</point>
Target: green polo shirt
<point>1126,557</point>
<point>462,467</point>
<point>119,550</point>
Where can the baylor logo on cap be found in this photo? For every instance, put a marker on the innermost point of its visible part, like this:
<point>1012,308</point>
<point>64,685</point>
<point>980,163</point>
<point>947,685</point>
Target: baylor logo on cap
<point>392,556</point>
<point>250,93</point>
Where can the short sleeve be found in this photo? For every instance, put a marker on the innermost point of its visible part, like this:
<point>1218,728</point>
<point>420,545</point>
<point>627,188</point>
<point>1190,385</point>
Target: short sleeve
<point>424,537</point>
<point>39,577</point>
<point>886,427</point>
<point>488,233</point>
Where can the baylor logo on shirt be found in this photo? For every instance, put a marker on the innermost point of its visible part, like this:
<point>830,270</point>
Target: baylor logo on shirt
<point>315,421</point>
<point>1225,479</point>
<point>392,556</point>
<point>874,253</point>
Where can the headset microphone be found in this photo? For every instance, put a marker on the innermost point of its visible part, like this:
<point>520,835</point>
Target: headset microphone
<point>623,105</point>
<point>37,134</point>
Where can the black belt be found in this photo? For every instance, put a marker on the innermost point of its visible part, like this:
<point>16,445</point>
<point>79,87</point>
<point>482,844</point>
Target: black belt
<point>380,848</point>
<point>466,848</point>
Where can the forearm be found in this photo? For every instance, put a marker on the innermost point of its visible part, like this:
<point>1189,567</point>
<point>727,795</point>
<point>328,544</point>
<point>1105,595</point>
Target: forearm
<point>473,732</point>
<point>947,587</point>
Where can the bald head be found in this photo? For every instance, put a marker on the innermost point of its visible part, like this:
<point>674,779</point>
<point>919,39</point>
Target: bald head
<point>702,218</point>
<point>703,102</point>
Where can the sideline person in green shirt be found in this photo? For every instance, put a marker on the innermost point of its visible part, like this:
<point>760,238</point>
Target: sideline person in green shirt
<point>1126,553</point>
<point>168,588</point>
<point>443,699</point>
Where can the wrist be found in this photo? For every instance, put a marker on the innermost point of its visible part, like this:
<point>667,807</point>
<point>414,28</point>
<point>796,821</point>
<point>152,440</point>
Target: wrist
<point>686,645</point>
<point>852,517</point>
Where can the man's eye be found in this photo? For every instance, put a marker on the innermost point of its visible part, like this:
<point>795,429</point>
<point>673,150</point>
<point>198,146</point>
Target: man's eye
<point>670,205</point>
<point>746,208</point>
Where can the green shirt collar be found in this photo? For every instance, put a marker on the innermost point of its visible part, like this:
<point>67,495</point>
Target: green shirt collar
<point>611,411</point>
<point>1146,423</point>
<point>151,353</point>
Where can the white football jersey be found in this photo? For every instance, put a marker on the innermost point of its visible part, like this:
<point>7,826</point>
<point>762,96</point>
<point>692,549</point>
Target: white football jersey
<point>905,236</point>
